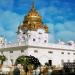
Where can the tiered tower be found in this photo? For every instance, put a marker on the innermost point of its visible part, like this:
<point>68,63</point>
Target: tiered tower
<point>32,29</point>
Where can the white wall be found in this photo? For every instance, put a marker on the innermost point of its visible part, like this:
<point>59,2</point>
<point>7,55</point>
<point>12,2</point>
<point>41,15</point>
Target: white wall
<point>43,54</point>
<point>39,38</point>
<point>56,56</point>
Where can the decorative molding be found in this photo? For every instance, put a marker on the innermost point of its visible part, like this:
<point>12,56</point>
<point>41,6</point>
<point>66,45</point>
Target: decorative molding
<point>14,48</point>
<point>50,48</point>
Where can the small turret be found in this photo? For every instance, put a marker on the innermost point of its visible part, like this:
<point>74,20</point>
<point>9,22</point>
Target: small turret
<point>2,40</point>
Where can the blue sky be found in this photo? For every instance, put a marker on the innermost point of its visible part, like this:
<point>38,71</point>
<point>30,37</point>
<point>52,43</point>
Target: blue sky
<point>59,15</point>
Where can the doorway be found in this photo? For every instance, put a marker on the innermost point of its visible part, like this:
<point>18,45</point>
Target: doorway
<point>50,62</point>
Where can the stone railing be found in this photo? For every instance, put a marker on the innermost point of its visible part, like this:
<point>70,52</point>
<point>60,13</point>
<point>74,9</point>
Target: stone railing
<point>55,46</point>
<point>47,45</point>
<point>12,45</point>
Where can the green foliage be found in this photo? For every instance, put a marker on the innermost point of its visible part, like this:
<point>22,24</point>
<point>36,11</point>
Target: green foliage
<point>23,60</point>
<point>27,60</point>
<point>2,58</point>
<point>47,64</point>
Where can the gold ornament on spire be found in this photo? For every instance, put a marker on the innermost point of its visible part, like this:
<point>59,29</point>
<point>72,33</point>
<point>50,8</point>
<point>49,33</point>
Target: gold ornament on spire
<point>33,21</point>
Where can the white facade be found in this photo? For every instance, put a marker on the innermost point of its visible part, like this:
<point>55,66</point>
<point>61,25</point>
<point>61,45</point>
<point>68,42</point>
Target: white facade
<point>35,43</point>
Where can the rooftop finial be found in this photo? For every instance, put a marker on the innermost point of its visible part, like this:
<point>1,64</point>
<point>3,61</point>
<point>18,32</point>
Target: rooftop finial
<point>33,5</point>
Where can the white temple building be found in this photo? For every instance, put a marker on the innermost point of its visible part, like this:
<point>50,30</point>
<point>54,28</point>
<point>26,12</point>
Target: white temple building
<point>33,39</point>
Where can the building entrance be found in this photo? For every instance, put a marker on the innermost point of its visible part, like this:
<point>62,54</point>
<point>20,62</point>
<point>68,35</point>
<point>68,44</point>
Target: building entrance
<point>50,62</point>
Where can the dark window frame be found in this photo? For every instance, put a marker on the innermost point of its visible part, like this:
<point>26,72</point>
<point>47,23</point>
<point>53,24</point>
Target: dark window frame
<point>35,51</point>
<point>50,52</point>
<point>73,53</point>
<point>68,53</point>
<point>22,51</point>
<point>34,39</point>
<point>62,52</point>
<point>45,41</point>
<point>11,51</point>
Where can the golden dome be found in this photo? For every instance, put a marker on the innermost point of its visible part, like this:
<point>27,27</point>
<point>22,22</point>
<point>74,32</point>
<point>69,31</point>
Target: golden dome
<point>33,21</point>
<point>33,15</point>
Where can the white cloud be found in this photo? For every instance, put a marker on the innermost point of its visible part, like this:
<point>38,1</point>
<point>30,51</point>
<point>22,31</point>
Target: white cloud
<point>9,21</point>
<point>65,31</point>
<point>50,27</point>
<point>65,35</point>
<point>70,25</point>
<point>10,35</point>
<point>6,4</point>
<point>51,32</point>
<point>59,27</point>
<point>51,38</point>
<point>52,14</point>
<point>61,18</point>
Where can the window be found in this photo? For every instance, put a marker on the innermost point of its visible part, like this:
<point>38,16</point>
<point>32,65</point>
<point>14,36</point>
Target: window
<point>73,60</point>
<point>29,35</point>
<point>22,51</point>
<point>39,38</point>
<point>40,33</point>
<point>73,53</point>
<point>11,51</point>
<point>36,51</point>
<point>45,41</point>
<point>68,53</point>
<point>33,39</point>
<point>62,52</point>
<point>50,52</point>
<point>68,60</point>
<point>23,37</point>
<point>62,61</point>
<point>1,52</point>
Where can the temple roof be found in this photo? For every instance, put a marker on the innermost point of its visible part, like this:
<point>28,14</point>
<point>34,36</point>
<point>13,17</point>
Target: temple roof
<point>33,21</point>
<point>33,13</point>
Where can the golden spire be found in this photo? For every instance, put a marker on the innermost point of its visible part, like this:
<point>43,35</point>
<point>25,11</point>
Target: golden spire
<point>33,7</point>
<point>33,21</point>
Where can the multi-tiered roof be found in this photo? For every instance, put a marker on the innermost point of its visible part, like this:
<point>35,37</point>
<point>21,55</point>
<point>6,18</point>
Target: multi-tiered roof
<point>33,21</point>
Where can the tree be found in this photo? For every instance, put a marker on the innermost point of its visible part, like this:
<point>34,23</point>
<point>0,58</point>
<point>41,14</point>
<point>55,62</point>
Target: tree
<point>27,61</point>
<point>23,60</point>
<point>34,61</point>
<point>2,58</point>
